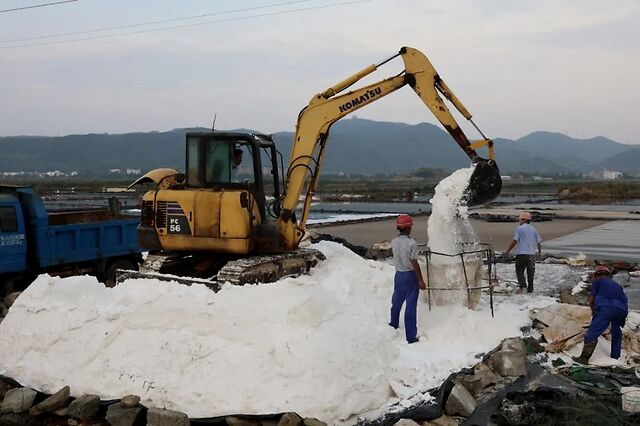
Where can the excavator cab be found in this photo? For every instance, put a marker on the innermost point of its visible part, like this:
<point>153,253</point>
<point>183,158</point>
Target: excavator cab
<point>220,205</point>
<point>231,161</point>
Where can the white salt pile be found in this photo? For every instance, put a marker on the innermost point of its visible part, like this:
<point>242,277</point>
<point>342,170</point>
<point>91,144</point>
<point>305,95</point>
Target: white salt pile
<point>318,345</point>
<point>450,233</point>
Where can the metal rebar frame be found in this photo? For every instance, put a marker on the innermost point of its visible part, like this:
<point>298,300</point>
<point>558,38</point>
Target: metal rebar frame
<point>487,253</point>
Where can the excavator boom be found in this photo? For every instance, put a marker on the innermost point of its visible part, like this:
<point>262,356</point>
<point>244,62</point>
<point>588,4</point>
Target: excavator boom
<point>329,106</point>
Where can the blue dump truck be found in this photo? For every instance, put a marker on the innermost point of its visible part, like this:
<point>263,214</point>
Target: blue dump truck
<point>62,243</point>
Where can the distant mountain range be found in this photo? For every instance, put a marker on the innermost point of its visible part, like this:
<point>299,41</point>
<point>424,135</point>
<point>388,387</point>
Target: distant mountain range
<point>356,146</point>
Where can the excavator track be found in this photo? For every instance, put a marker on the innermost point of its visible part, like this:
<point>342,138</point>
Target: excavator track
<point>269,268</point>
<point>214,271</point>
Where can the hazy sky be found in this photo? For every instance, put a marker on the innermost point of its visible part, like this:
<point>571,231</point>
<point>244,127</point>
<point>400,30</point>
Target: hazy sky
<point>519,66</point>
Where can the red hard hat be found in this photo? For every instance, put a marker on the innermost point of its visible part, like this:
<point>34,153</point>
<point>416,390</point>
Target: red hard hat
<point>602,269</point>
<point>404,221</point>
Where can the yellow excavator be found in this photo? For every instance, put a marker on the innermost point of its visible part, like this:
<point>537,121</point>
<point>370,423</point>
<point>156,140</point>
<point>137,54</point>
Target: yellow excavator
<point>217,223</point>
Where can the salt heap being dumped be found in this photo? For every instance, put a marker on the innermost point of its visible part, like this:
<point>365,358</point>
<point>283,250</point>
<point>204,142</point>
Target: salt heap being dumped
<point>318,344</point>
<point>450,233</point>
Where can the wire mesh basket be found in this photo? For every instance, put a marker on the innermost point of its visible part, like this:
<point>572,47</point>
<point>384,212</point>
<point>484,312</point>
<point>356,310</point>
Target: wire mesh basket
<point>459,277</point>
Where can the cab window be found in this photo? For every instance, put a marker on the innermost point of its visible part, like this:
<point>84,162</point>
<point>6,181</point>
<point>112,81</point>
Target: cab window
<point>8,219</point>
<point>241,164</point>
<point>218,162</point>
<point>193,167</point>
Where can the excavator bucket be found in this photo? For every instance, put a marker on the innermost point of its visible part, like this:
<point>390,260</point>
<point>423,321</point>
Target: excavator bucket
<point>485,183</point>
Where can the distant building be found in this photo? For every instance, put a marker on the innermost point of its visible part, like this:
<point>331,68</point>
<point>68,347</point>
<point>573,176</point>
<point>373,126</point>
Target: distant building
<point>53,173</point>
<point>605,174</point>
<point>125,171</point>
<point>118,190</point>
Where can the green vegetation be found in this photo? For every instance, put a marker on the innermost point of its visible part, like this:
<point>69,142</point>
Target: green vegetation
<point>602,191</point>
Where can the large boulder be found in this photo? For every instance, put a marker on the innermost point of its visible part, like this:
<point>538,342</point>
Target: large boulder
<point>514,344</point>
<point>482,377</point>
<point>85,407</point>
<point>161,417</point>
<point>379,251</point>
<point>55,402</point>
<point>460,402</point>
<point>290,419</point>
<point>509,363</point>
<point>4,387</point>
<point>130,401</point>
<point>17,400</point>
<point>119,415</point>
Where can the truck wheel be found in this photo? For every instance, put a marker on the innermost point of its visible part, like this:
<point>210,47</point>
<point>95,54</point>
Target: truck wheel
<point>110,273</point>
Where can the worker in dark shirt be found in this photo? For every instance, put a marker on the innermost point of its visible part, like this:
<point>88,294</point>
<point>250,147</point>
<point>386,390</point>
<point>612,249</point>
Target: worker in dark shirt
<point>609,305</point>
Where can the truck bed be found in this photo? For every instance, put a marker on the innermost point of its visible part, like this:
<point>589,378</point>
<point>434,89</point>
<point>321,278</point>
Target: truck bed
<point>67,240</point>
<point>68,217</point>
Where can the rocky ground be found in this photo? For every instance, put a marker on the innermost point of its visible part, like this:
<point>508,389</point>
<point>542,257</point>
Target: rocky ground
<point>520,382</point>
<point>25,406</point>
<point>511,385</point>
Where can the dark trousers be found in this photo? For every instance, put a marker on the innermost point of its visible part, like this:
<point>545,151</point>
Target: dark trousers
<point>525,262</point>
<point>405,289</point>
<point>602,317</point>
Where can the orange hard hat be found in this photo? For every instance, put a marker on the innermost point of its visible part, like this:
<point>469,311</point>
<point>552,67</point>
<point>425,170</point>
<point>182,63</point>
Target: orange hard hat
<point>404,221</point>
<point>525,216</point>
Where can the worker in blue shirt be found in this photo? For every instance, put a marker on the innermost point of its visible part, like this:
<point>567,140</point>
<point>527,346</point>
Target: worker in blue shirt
<point>529,242</point>
<point>609,305</point>
<point>408,279</point>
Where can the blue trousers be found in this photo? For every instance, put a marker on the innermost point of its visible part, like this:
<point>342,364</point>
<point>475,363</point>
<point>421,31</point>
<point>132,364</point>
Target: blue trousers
<point>405,289</point>
<point>603,316</point>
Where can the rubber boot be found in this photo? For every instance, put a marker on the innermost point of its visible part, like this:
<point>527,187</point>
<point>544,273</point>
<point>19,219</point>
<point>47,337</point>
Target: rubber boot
<point>587,351</point>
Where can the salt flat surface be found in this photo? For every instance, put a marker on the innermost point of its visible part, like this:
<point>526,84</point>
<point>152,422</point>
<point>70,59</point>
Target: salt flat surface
<point>616,240</point>
<point>343,217</point>
<point>318,345</point>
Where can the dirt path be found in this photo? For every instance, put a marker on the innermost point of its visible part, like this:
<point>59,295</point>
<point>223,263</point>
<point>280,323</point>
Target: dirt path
<point>497,233</point>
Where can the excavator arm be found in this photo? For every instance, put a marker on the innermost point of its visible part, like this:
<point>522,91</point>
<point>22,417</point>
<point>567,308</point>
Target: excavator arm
<point>326,108</point>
